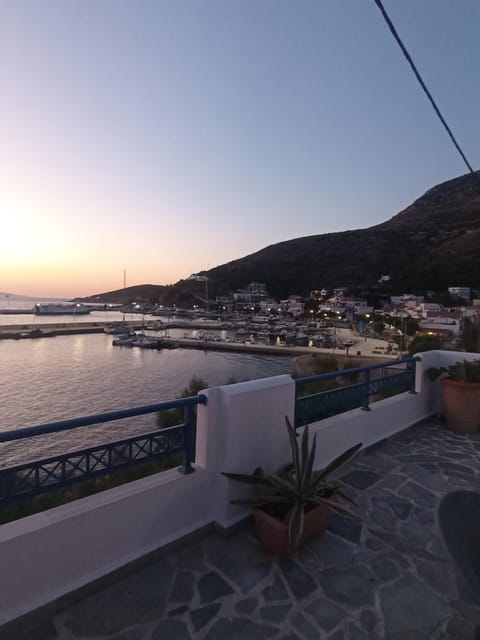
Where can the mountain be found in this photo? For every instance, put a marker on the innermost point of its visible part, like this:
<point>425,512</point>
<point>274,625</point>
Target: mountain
<point>433,244</point>
<point>136,293</point>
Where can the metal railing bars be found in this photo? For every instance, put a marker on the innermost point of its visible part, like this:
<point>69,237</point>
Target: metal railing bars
<point>40,476</point>
<point>397,376</point>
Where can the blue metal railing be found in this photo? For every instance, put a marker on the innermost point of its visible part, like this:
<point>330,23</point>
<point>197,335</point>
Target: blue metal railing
<point>396,376</point>
<point>29,479</point>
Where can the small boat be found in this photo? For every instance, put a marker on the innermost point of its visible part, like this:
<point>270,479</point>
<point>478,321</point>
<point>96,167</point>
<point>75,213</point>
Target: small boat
<point>54,309</point>
<point>144,342</point>
<point>124,340</point>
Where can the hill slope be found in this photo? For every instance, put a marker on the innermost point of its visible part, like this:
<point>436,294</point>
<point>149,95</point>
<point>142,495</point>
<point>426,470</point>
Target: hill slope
<point>434,243</point>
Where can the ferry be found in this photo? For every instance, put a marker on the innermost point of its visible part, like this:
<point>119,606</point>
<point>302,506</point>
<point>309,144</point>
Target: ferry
<point>54,309</point>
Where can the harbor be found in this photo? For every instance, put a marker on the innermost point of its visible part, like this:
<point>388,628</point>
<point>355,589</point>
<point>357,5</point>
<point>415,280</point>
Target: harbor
<point>214,335</point>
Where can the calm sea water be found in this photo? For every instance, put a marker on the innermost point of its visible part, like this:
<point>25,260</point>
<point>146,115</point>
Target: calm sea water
<point>48,379</point>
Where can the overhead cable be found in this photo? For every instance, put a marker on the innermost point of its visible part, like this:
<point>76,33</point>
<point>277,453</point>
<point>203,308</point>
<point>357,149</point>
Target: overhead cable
<point>420,80</point>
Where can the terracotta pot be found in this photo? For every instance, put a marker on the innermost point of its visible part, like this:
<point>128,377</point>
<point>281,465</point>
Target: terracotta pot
<point>461,405</point>
<point>273,534</point>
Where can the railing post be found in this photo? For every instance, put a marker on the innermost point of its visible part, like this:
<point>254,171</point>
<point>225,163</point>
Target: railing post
<point>366,392</point>
<point>189,437</point>
<point>412,368</point>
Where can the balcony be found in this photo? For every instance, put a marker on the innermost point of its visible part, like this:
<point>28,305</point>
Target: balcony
<point>111,565</point>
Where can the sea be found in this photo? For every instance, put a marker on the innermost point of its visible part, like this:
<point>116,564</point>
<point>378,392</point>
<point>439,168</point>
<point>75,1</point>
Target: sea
<point>48,379</point>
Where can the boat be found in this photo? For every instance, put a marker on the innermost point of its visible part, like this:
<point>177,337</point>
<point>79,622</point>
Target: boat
<point>124,341</point>
<point>54,309</point>
<point>144,342</point>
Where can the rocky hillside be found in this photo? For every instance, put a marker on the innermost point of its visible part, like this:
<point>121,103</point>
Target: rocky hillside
<point>434,243</point>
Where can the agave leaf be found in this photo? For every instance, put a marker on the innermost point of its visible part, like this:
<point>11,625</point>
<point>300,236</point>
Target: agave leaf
<point>259,501</point>
<point>340,460</point>
<point>254,478</point>
<point>336,508</point>
<point>304,447</point>
<point>294,446</point>
<point>339,492</point>
<point>283,484</point>
<point>308,467</point>
<point>295,524</point>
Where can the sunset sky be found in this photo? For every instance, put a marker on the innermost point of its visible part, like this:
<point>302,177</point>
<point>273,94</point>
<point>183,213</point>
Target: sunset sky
<point>167,137</point>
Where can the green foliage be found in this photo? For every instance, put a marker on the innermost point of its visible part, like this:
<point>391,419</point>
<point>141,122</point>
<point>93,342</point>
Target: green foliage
<point>471,336</point>
<point>60,496</point>
<point>297,486</point>
<point>425,343</point>
<point>460,371</point>
<point>172,417</point>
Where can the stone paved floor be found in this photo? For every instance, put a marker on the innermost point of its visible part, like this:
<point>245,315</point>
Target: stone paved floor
<point>387,576</point>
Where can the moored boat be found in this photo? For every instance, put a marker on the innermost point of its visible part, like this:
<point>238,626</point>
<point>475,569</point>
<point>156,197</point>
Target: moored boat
<point>54,309</point>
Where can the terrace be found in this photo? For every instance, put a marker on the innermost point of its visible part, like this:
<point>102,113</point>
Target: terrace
<point>388,575</point>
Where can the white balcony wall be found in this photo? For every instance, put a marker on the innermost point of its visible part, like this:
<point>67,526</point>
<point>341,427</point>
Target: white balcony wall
<point>48,555</point>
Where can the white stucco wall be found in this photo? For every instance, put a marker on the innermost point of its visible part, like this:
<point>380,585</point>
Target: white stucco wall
<point>243,427</point>
<point>49,554</point>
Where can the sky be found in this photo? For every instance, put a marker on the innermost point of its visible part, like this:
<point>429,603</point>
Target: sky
<point>166,137</point>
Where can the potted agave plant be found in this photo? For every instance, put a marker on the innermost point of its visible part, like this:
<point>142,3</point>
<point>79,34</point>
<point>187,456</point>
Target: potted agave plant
<point>460,394</point>
<point>294,505</point>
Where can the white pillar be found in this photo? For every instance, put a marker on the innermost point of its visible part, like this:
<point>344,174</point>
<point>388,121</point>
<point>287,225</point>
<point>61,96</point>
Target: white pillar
<point>241,428</point>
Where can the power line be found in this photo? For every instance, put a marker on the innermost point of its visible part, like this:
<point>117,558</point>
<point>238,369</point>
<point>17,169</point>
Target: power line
<point>420,80</point>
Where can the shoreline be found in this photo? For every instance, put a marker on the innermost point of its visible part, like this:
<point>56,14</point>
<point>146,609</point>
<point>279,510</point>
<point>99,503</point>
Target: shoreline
<point>53,329</point>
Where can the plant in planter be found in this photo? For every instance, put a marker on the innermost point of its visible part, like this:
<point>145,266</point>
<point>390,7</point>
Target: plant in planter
<point>460,393</point>
<point>294,505</point>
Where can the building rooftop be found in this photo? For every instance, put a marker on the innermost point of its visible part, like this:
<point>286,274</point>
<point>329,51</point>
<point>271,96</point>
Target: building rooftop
<point>388,575</point>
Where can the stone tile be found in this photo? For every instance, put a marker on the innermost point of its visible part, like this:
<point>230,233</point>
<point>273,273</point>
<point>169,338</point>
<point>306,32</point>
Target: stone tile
<point>352,587</point>
<point>178,611</point>
<point>346,528</point>
<point>409,606</point>
<point>239,629</point>
<point>357,633</point>
<point>136,599</point>
<point>134,633</point>
<point>401,509</point>
<point>246,606</point>
<point>301,583</point>
<point>239,558</point>
<point>212,586</point>
<point>202,616</point>
<point>417,493</point>
<point>275,613</point>
<point>368,620</point>
<point>190,557</point>
<point>183,587</point>
<point>276,590</point>
<point>332,550</point>
<point>171,630</point>
<point>381,516</point>
<point>304,627</point>
<point>325,613</point>
<point>385,569</point>
<point>437,575</point>
<point>361,479</point>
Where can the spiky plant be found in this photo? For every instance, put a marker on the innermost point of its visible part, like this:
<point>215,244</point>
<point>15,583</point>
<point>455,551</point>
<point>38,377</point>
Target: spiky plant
<point>466,371</point>
<point>297,487</point>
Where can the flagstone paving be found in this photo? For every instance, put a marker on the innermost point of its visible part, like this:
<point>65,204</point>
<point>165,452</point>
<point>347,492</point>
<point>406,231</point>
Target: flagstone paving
<point>387,576</point>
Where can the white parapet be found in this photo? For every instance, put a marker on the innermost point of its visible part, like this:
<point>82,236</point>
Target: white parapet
<point>243,427</point>
<point>49,554</point>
